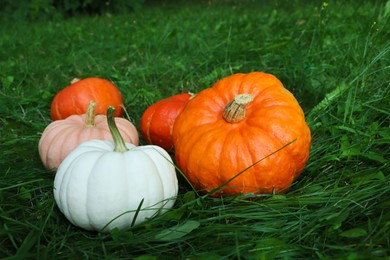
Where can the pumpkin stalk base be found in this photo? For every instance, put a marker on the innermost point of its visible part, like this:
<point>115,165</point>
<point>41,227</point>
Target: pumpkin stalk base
<point>90,116</point>
<point>235,110</point>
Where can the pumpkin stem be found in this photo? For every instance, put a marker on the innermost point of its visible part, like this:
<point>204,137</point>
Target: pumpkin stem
<point>119,143</point>
<point>90,116</point>
<point>74,80</point>
<point>235,110</point>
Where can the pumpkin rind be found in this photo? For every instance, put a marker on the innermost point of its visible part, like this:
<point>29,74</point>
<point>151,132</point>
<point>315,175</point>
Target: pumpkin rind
<point>210,150</point>
<point>74,99</point>
<point>62,136</point>
<point>157,121</point>
<point>94,185</point>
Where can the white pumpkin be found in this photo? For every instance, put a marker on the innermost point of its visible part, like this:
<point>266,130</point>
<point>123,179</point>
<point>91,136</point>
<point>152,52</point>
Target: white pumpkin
<point>106,184</point>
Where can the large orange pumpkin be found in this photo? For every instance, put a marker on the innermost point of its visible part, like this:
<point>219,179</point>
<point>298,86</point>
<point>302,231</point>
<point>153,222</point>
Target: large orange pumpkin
<point>158,119</point>
<point>244,120</point>
<point>74,99</point>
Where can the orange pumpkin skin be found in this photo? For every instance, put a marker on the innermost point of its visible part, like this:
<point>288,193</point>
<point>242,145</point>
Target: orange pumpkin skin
<point>209,150</point>
<point>157,121</point>
<point>74,99</point>
<point>62,136</point>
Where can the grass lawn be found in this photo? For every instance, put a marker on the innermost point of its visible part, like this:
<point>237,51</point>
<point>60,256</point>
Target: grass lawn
<point>333,56</point>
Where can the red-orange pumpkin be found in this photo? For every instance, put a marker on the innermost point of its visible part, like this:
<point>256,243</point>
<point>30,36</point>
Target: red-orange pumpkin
<point>74,99</point>
<point>62,136</point>
<point>158,119</point>
<point>238,123</point>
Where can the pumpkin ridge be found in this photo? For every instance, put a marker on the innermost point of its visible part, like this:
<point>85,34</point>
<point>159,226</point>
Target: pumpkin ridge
<point>181,157</point>
<point>125,181</point>
<point>64,186</point>
<point>148,123</point>
<point>215,137</point>
<point>92,171</point>
<point>253,159</point>
<point>155,164</point>
<point>57,110</point>
<point>126,135</point>
<point>226,147</point>
<point>185,157</point>
<point>146,156</point>
<point>167,192</point>
<point>94,94</point>
<point>151,118</point>
<point>258,85</point>
<point>69,193</point>
<point>56,143</point>
<point>73,98</point>
<point>219,170</point>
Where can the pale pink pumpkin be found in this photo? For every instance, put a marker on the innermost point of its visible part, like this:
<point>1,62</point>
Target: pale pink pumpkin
<point>62,136</point>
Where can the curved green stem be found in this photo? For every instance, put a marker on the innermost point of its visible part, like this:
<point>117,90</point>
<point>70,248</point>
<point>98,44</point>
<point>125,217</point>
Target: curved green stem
<point>119,143</point>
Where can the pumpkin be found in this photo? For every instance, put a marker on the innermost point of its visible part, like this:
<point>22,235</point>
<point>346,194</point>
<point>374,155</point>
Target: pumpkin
<point>75,98</point>
<point>245,134</point>
<point>158,119</point>
<point>105,184</point>
<point>62,136</point>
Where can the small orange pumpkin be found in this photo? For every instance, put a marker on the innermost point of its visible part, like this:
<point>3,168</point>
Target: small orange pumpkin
<point>230,136</point>
<point>74,99</point>
<point>158,119</point>
<point>62,136</point>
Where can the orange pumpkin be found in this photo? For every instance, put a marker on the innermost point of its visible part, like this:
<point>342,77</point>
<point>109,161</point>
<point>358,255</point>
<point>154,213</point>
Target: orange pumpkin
<point>158,119</point>
<point>246,134</point>
<point>62,136</point>
<point>74,99</point>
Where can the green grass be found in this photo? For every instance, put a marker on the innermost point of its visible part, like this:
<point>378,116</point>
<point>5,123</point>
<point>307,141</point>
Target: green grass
<point>334,58</point>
